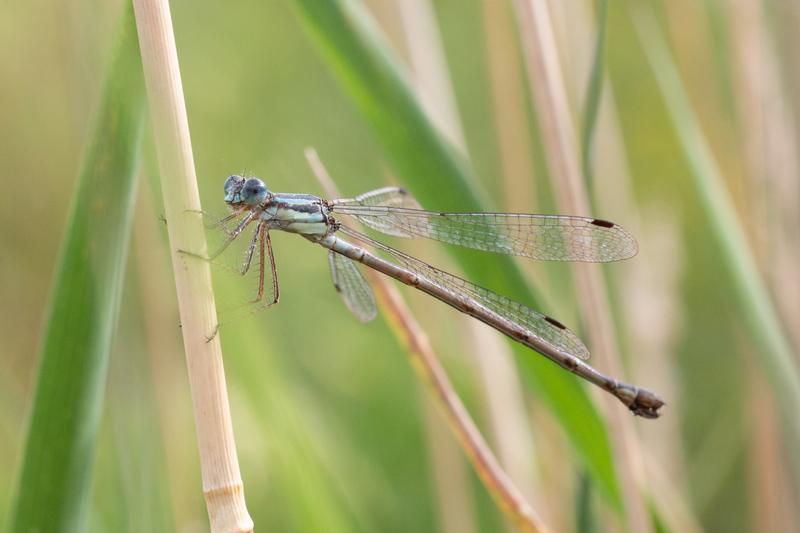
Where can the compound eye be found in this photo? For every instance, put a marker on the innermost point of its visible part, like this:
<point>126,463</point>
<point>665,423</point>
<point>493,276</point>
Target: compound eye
<point>233,183</point>
<point>254,191</point>
<point>233,186</point>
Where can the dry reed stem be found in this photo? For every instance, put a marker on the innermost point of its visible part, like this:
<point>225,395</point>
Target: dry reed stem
<point>430,371</point>
<point>222,484</point>
<point>559,139</point>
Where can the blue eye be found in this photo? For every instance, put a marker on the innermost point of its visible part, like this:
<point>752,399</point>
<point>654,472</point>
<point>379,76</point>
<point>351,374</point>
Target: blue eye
<point>254,191</point>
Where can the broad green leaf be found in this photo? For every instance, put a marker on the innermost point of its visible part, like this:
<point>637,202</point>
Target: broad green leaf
<point>585,519</point>
<point>53,489</point>
<point>359,57</point>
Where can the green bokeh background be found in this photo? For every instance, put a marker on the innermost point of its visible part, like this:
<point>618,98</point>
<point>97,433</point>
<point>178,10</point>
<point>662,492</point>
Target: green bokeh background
<point>329,417</point>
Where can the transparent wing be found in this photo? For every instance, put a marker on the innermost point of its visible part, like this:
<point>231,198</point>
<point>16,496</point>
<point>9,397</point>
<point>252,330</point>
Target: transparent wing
<point>394,197</point>
<point>352,287</point>
<point>388,196</point>
<point>543,237</point>
<point>538,325</point>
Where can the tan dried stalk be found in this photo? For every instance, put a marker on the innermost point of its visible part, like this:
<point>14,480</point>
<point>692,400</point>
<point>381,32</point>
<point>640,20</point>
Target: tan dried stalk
<point>430,371</point>
<point>222,483</point>
<point>545,78</point>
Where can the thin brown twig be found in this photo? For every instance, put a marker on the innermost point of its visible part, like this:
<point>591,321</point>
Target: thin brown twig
<point>430,371</point>
<point>222,483</point>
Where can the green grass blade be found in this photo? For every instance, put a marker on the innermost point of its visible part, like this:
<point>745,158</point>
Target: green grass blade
<point>52,493</point>
<point>755,306</point>
<point>594,91</point>
<point>363,64</point>
<point>585,519</point>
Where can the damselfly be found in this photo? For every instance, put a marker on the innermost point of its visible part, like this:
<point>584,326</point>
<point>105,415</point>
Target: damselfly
<point>393,211</point>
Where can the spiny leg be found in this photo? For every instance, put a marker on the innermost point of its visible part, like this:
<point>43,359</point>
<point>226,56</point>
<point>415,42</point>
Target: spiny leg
<point>276,290</point>
<point>265,252</point>
<point>232,236</point>
<point>251,249</point>
<point>245,268</point>
<point>219,222</point>
<point>260,236</point>
<point>224,219</point>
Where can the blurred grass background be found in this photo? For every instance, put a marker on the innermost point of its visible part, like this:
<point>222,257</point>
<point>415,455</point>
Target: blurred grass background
<point>334,432</point>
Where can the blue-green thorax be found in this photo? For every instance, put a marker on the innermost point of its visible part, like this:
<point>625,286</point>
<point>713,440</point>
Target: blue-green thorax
<point>296,213</point>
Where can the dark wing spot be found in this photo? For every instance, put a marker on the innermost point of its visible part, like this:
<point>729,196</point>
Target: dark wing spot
<point>555,322</point>
<point>602,223</point>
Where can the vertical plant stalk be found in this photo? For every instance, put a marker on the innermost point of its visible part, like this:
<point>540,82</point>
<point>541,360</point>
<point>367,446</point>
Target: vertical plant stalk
<point>54,484</point>
<point>222,483</point>
<point>430,371</point>
<point>545,77</point>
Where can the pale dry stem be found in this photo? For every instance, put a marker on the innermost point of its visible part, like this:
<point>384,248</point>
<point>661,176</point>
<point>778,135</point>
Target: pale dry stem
<point>222,483</point>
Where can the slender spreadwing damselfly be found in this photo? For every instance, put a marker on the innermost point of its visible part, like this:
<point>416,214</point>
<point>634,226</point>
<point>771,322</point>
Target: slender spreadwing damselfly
<point>393,211</point>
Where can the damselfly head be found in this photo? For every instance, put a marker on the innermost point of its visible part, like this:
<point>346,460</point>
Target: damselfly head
<point>250,191</point>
